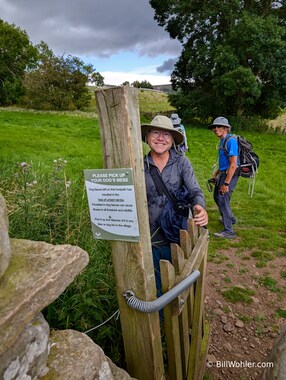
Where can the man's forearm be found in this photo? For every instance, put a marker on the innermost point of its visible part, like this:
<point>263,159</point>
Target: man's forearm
<point>231,169</point>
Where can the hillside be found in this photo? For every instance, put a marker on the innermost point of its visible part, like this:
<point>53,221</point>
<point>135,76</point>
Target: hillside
<point>151,102</point>
<point>154,102</point>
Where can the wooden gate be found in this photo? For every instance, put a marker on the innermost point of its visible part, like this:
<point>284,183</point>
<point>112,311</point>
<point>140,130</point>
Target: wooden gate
<point>185,330</point>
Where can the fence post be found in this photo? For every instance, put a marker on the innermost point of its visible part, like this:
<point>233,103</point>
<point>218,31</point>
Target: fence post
<point>118,111</point>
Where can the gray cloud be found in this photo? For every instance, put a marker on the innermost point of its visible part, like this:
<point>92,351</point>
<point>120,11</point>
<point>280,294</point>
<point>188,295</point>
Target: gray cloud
<point>167,66</point>
<point>91,27</point>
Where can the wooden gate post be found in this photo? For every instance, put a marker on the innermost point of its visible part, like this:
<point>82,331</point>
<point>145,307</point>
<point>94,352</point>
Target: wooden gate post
<point>118,110</point>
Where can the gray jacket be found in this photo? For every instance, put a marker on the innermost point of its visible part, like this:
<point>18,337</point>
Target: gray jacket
<point>177,173</point>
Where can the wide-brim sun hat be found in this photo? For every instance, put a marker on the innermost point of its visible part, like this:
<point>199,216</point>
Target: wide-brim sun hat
<point>220,122</point>
<point>162,123</point>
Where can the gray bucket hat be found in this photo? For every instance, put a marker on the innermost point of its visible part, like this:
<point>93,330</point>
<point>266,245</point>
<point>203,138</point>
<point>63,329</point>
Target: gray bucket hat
<point>175,119</point>
<point>220,121</point>
<point>163,123</point>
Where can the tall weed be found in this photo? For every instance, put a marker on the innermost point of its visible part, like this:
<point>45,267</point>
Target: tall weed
<point>47,206</point>
<point>239,124</point>
<point>248,123</point>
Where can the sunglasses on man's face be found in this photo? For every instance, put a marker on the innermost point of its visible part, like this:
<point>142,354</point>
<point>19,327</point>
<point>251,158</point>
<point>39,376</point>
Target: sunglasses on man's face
<point>217,126</point>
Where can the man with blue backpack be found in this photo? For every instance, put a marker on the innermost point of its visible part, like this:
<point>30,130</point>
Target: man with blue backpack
<point>226,175</point>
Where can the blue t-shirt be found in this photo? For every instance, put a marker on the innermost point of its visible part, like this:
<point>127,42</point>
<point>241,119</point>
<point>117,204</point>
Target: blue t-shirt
<point>232,150</point>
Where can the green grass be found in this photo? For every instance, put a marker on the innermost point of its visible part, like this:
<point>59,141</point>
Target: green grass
<point>264,256</point>
<point>261,264</point>
<point>237,294</point>
<point>281,313</point>
<point>269,283</point>
<point>261,218</point>
<point>42,137</point>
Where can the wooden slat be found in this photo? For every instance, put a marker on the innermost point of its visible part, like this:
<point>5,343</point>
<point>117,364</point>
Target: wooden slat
<point>191,302</point>
<point>203,351</point>
<point>202,326</point>
<point>177,258</point>
<point>185,339</point>
<point>186,243</point>
<point>193,231</point>
<point>190,265</point>
<point>197,327</point>
<point>196,257</point>
<point>171,323</point>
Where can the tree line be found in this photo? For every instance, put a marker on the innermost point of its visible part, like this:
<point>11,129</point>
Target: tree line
<point>35,77</point>
<point>233,59</point>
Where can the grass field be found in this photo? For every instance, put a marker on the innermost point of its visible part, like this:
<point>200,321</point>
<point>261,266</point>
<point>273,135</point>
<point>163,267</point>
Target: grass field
<point>260,221</point>
<point>47,201</point>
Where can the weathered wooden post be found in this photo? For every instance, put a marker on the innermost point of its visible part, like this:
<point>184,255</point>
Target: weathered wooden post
<point>118,110</point>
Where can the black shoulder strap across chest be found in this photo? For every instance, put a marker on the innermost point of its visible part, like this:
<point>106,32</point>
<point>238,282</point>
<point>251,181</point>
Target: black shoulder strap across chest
<point>181,208</point>
<point>160,184</point>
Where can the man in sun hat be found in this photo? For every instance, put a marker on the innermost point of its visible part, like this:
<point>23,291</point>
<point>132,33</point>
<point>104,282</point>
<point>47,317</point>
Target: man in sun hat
<point>177,173</point>
<point>161,123</point>
<point>226,175</point>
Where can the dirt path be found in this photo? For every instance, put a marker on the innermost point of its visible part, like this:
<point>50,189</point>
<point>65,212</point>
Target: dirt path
<point>242,333</point>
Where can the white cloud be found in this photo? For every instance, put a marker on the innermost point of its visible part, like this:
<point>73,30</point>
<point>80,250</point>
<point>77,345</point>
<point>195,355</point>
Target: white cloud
<point>118,77</point>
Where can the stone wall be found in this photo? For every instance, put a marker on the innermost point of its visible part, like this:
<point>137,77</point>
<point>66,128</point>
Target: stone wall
<point>32,275</point>
<point>278,358</point>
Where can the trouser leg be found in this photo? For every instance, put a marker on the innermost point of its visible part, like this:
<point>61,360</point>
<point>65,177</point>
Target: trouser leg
<point>160,253</point>
<point>223,202</point>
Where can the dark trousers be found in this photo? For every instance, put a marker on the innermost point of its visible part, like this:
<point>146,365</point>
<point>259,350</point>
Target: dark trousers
<point>223,201</point>
<point>160,253</point>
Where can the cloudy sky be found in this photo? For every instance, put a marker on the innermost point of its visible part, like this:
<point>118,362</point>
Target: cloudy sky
<point>120,38</point>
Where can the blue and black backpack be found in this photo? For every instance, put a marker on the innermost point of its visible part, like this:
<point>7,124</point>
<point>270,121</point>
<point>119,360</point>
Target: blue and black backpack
<point>248,159</point>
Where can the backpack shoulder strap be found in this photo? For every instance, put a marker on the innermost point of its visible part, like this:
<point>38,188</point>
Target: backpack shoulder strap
<point>224,148</point>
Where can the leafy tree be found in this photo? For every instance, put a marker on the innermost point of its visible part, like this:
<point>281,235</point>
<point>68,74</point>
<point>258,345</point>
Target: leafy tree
<point>233,56</point>
<point>97,79</point>
<point>17,55</point>
<point>142,84</point>
<point>59,83</point>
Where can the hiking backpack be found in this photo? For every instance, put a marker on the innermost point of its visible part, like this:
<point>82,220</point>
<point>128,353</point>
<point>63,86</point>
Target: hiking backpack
<point>248,159</point>
<point>182,148</point>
